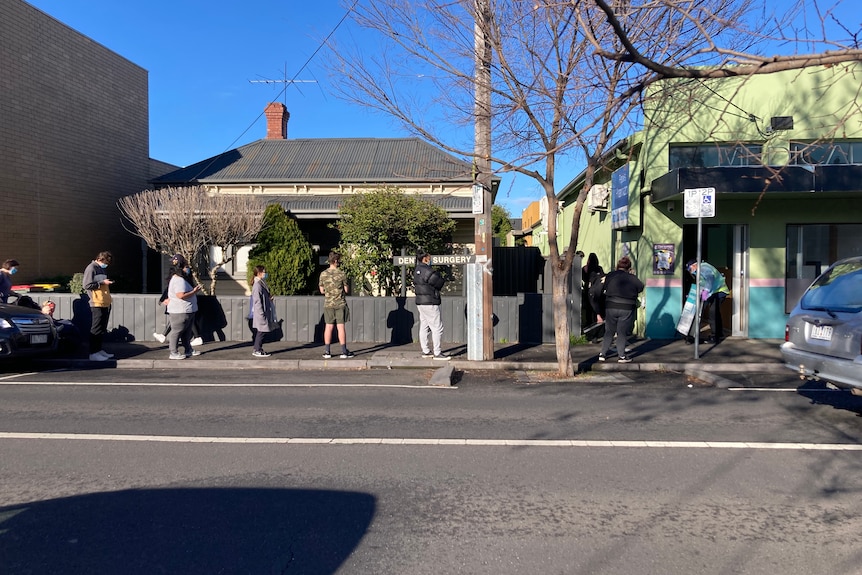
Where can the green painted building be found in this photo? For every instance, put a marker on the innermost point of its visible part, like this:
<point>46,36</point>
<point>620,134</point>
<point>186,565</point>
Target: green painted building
<point>780,158</point>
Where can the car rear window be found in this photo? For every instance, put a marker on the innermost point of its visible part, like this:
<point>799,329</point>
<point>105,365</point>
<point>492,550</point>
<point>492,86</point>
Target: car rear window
<point>839,289</point>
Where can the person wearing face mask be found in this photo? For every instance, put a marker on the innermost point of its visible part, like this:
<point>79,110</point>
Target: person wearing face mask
<point>7,270</point>
<point>182,306</point>
<point>261,310</point>
<point>97,284</point>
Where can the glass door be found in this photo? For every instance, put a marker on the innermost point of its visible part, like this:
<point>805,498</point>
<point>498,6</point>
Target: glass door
<point>739,288</point>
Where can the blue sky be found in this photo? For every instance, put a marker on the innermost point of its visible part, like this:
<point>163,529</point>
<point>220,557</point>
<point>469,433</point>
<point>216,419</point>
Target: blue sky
<point>202,57</point>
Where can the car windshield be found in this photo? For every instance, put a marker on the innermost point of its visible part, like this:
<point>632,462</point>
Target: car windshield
<point>837,290</point>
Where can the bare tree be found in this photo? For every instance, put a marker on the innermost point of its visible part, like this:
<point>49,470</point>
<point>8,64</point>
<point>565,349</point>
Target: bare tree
<point>568,78</point>
<point>188,221</point>
<point>232,220</point>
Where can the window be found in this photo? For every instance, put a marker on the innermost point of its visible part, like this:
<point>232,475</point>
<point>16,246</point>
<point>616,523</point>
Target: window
<point>839,290</point>
<point>715,155</point>
<point>811,249</point>
<point>831,153</point>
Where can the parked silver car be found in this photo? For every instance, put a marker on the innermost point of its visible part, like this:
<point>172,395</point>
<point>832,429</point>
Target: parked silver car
<point>823,337</point>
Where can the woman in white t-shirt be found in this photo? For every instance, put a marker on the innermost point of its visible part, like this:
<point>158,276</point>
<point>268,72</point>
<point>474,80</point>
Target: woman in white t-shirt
<point>182,306</point>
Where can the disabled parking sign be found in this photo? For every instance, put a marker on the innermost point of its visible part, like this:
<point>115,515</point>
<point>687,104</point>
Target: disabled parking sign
<point>699,203</point>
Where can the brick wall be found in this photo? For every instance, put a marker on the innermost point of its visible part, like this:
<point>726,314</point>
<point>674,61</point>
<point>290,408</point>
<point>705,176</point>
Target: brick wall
<point>74,138</point>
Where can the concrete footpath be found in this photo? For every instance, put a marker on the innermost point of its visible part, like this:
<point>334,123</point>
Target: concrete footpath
<point>731,355</point>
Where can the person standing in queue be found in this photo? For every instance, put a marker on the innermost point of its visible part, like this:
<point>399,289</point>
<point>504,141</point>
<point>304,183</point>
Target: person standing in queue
<point>98,287</point>
<point>261,310</point>
<point>427,283</point>
<point>621,289</point>
<point>7,270</point>
<point>334,287</point>
<point>182,306</point>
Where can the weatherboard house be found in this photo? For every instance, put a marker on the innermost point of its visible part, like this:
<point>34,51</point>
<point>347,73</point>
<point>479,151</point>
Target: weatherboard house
<point>310,177</point>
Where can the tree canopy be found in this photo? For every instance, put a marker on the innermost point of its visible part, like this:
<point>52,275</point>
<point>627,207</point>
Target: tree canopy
<point>282,249</point>
<point>374,226</point>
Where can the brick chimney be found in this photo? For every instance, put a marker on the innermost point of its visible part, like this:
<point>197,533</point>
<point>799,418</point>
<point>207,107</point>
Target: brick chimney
<point>276,121</point>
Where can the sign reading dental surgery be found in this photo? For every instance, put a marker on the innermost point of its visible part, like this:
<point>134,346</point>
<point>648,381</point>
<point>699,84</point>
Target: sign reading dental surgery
<point>443,260</point>
<point>620,198</point>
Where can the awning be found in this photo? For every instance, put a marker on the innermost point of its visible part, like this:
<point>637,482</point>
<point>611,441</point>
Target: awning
<point>839,181</point>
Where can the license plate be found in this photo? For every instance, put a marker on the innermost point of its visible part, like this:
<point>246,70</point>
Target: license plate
<point>39,338</point>
<point>823,332</point>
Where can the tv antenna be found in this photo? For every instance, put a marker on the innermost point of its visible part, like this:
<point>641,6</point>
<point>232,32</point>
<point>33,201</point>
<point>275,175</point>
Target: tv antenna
<point>284,81</point>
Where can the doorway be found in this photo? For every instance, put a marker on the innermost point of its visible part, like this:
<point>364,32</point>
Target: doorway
<point>725,246</point>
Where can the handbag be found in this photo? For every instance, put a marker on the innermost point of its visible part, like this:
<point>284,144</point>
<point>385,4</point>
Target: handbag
<point>272,321</point>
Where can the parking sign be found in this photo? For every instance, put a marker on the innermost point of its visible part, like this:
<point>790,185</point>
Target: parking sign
<point>699,203</point>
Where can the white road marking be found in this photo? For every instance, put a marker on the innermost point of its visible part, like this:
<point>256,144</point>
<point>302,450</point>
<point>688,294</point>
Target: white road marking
<point>155,384</point>
<point>438,442</point>
<point>784,389</point>
<point>8,377</point>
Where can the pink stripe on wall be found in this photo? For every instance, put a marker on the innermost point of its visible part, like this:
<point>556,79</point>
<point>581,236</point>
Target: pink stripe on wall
<point>766,283</point>
<point>663,282</point>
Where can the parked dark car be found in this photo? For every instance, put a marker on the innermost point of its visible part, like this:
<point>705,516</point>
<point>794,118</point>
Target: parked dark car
<point>25,331</point>
<point>823,337</point>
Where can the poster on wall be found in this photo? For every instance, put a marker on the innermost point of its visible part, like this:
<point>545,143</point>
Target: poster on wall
<point>664,259</point>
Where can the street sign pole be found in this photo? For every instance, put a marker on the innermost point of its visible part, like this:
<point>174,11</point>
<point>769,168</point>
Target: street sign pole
<point>699,203</point>
<point>698,301</point>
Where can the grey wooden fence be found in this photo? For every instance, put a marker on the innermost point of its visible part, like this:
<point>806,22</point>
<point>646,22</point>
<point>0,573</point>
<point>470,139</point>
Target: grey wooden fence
<point>522,318</point>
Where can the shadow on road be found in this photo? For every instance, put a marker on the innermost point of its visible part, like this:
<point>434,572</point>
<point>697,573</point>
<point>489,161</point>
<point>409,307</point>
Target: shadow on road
<point>189,531</point>
<point>818,393</point>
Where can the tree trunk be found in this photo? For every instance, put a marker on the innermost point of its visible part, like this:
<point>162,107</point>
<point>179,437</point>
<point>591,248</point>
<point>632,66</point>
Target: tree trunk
<point>561,321</point>
<point>213,278</point>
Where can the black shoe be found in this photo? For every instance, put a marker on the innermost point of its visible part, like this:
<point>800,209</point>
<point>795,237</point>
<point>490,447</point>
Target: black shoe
<point>689,340</point>
<point>713,339</point>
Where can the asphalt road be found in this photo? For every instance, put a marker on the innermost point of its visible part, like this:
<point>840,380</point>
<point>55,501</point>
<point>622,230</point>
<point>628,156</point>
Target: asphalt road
<point>191,472</point>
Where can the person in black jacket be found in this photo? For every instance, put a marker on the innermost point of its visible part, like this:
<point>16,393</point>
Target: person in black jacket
<point>427,284</point>
<point>621,302</point>
<point>591,308</point>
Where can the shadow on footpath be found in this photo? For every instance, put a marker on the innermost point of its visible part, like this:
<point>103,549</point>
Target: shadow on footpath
<point>189,531</point>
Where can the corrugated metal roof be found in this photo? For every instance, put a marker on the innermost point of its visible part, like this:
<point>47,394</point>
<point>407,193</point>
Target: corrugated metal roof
<point>335,160</point>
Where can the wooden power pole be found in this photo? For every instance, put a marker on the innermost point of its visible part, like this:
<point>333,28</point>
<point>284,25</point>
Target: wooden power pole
<point>482,166</point>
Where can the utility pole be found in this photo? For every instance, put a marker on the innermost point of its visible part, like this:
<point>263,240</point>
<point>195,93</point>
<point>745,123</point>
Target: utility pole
<point>482,190</point>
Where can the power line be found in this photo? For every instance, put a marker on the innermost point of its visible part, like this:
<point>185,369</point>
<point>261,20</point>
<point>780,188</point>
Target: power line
<point>284,88</point>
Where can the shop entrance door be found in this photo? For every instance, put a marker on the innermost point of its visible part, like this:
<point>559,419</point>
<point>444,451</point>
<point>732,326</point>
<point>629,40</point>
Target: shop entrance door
<point>739,287</point>
<point>725,246</point>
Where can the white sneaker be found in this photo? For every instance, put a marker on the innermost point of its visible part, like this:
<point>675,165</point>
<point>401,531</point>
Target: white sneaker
<point>442,357</point>
<point>196,341</point>
<point>106,354</point>
<point>98,357</point>
<point>177,356</point>
<point>159,337</point>
<point>428,355</point>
